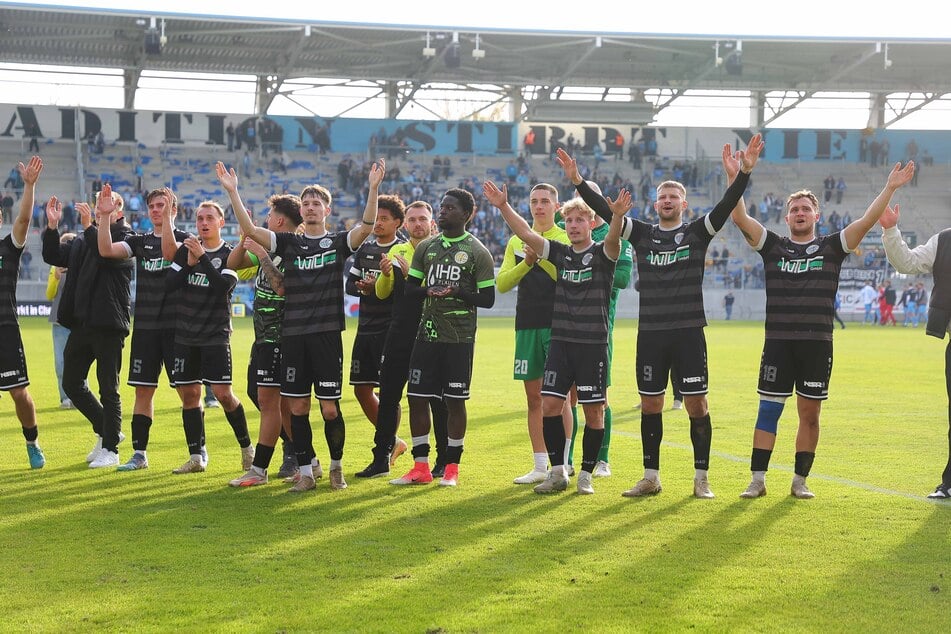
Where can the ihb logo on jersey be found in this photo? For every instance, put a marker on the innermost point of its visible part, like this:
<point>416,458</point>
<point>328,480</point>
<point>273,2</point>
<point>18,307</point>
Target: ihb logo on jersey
<point>666,258</point>
<point>577,277</point>
<point>313,262</point>
<point>800,265</point>
<point>443,273</point>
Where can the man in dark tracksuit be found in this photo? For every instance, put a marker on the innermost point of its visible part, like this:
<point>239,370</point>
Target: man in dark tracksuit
<point>95,306</point>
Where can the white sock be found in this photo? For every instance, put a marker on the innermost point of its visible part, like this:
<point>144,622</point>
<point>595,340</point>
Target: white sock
<point>541,461</point>
<point>567,453</point>
<point>798,479</point>
<point>196,457</point>
<point>700,474</point>
<point>258,470</point>
<point>307,470</point>
<point>759,476</point>
<point>651,474</point>
<point>141,453</point>
<point>336,464</point>
<point>420,440</point>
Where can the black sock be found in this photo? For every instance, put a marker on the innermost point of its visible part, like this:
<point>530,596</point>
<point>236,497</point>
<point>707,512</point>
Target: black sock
<point>760,459</point>
<point>262,456</point>
<point>30,433</point>
<point>553,430</point>
<point>336,434</point>
<point>652,432</point>
<point>140,431</point>
<point>440,427</point>
<point>239,424</point>
<point>453,454</point>
<point>303,438</point>
<point>701,432</point>
<point>804,462</point>
<point>193,424</point>
<point>590,447</point>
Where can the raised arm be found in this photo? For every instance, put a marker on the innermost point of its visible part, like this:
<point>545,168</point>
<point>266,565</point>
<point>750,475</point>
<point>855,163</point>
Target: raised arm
<point>360,233</point>
<point>905,260</point>
<point>591,198</point>
<point>619,208</point>
<point>499,199</point>
<point>745,161</point>
<point>229,182</point>
<point>29,173</point>
<point>751,229</point>
<point>105,211</point>
<point>858,228</point>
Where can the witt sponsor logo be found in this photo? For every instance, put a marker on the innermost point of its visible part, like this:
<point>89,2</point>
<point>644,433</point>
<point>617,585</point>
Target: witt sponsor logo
<point>666,258</point>
<point>155,265</point>
<point>314,262</point>
<point>198,279</point>
<point>577,277</point>
<point>800,265</point>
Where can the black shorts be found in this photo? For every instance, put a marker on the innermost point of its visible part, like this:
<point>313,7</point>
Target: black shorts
<point>584,365</point>
<point>365,359</point>
<point>440,369</point>
<point>201,364</point>
<point>265,367</point>
<point>151,349</point>
<point>805,365</point>
<point>684,350</point>
<point>312,362</point>
<point>12,359</point>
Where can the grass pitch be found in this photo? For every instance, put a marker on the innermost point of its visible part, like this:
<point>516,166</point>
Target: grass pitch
<point>94,549</point>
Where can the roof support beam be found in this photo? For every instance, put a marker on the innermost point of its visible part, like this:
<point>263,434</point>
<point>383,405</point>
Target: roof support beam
<point>130,83</point>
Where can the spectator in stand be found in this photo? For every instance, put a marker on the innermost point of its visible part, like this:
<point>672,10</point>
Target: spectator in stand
<point>26,264</point>
<point>840,188</point>
<point>33,131</point>
<point>6,203</point>
<point>728,300</point>
<point>229,132</point>
<point>828,186</point>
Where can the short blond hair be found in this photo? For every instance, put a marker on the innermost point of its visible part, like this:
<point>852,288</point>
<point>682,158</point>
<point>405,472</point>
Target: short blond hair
<point>577,204</point>
<point>116,198</point>
<point>802,193</point>
<point>211,203</point>
<point>673,185</point>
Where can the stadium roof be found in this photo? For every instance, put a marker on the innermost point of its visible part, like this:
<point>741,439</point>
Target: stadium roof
<point>276,50</point>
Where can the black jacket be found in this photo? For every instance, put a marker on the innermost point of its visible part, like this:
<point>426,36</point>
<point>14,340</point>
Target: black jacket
<point>98,291</point>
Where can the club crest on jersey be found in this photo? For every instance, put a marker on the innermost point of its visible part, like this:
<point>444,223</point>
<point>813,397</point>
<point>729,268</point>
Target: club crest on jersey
<point>679,238</point>
<point>325,243</point>
<point>461,257</point>
<point>586,260</point>
<point>216,262</point>
<point>800,265</point>
<point>812,248</point>
<point>666,258</point>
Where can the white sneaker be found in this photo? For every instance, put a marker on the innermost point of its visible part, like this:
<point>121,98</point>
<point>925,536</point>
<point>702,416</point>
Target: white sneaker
<point>584,483</point>
<point>554,483</point>
<point>800,490</point>
<point>701,489</point>
<point>105,459</point>
<point>602,470</point>
<point>532,477</point>
<point>756,489</point>
<point>644,486</point>
<point>92,455</point>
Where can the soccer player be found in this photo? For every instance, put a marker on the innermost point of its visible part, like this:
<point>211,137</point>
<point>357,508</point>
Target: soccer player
<point>200,273</point>
<point>670,262</point>
<point>398,345</point>
<point>312,347</point>
<point>535,279</point>
<point>374,312</point>
<point>934,257</point>
<point>96,307</point>
<point>802,277</point>
<point>456,274</point>
<point>578,354</point>
<point>153,336</point>
<point>13,374</point>
<point>264,374</point>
